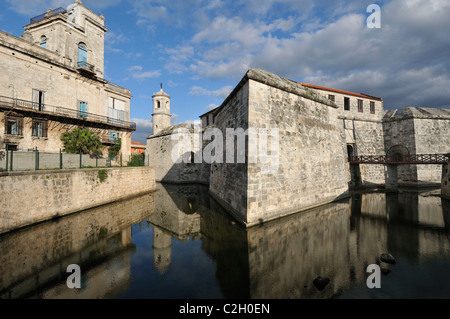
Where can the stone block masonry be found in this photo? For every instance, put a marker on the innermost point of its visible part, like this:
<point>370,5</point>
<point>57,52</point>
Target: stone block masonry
<point>446,181</point>
<point>27,198</point>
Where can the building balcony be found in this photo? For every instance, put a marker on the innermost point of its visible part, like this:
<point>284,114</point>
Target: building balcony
<point>63,115</point>
<point>107,140</point>
<point>86,68</point>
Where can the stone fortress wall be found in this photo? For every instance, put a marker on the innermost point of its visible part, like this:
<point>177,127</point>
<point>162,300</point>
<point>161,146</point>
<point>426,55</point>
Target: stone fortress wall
<point>417,131</point>
<point>317,135</point>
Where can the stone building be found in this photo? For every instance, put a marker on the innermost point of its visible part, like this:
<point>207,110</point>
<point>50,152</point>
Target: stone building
<point>52,81</point>
<point>306,162</point>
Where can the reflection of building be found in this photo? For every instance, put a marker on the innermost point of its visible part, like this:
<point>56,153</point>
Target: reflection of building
<point>177,215</point>
<point>52,81</point>
<point>283,258</point>
<point>162,250</point>
<point>98,240</point>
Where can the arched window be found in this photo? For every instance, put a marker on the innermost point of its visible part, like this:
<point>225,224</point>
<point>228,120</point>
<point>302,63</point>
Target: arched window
<point>44,42</point>
<point>82,55</point>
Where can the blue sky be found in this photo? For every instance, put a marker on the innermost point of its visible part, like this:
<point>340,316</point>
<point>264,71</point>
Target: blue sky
<point>200,49</point>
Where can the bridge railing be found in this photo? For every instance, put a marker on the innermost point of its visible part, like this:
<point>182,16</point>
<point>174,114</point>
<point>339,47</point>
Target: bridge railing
<point>400,159</point>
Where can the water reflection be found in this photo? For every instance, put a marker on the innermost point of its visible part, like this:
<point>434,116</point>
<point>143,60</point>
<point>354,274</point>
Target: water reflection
<point>179,243</point>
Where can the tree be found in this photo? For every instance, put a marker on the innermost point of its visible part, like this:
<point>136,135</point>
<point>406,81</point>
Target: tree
<point>81,140</point>
<point>115,149</point>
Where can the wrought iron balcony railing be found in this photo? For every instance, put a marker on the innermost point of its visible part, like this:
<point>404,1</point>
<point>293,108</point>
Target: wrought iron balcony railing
<point>45,15</point>
<point>86,66</point>
<point>45,109</point>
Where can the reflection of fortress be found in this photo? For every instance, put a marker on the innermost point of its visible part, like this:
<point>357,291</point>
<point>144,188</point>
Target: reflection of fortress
<point>280,259</point>
<point>320,129</point>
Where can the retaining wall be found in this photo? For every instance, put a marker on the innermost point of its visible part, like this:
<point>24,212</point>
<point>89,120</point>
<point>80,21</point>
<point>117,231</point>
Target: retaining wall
<point>31,197</point>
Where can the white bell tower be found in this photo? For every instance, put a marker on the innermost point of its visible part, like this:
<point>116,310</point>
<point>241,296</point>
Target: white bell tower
<point>161,111</point>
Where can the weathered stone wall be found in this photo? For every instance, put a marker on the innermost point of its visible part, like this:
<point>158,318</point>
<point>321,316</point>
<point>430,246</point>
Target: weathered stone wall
<point>369,140</point>
<point>445,183</point>
<point>30,197</point>
<point>418,131</point>
<point>399,138</point>
<point>228,181</point>
<point>312,167</point>
<point>161,147</point>
<point>432,137</point>
<point>362,131</point>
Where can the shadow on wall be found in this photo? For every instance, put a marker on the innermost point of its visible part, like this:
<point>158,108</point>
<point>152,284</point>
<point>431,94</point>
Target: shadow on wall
<point>188,171</point>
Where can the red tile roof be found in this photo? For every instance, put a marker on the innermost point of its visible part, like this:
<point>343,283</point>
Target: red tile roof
<point>317,87</point>
<point>137,144</point>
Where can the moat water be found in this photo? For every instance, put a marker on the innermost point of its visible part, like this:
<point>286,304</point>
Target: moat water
<point>179,243</point>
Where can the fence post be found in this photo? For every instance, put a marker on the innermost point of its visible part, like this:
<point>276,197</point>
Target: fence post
<point>7,156</point>
<point>81,160</point>
<point>12,159</point>
<point>96,158</point>
<point>120,159</point>
<point>60,159</point>
<point>37,160</point>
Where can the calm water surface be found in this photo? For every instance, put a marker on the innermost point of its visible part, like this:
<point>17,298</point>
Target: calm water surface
<point>179,243</point>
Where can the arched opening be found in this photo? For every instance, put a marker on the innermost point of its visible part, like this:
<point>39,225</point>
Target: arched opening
<point>350,151</point>
<point>397,153</point>
<point>158,104</point>
<point>43,42</point>
<point>82,55</point>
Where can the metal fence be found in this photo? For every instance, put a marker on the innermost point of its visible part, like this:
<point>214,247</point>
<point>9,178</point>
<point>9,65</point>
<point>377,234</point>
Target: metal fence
<point>30,160</point>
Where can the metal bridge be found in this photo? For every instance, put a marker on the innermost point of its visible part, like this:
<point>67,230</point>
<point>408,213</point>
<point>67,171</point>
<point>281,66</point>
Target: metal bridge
<point>400,159</point>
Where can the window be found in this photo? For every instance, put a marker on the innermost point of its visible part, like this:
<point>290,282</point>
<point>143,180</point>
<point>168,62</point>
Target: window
<point>158,104</point>
<point>39,128</point>
<point>44,42</point>
<point>346,103</point>
<point>83,108</point>
<point>38,100</point>
<point>13,126</point>
<point>116,110</point>
<point>82,55</point>
<point>113,136</point>
<point>207,120</point>
<point>372,107</point>
<point>360,106</point>
<point>331,97</point>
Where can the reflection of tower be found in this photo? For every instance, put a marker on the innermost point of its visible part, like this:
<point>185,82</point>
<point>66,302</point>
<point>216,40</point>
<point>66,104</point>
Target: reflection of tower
<point>162,251</point>
<point>161,111</point>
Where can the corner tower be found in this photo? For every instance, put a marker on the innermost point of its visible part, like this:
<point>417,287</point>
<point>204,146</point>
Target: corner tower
<point>161,111</point>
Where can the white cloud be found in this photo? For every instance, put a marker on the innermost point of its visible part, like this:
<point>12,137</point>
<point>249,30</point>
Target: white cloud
<point>222,92</point>
<point>138,73</point>
<point>143,124</point>
<point>176,57</point>
<point>211,107</point>
<point>323,42</point>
